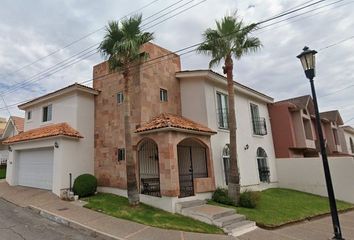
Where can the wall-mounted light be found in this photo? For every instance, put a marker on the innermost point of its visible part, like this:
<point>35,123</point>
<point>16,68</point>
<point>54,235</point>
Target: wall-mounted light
<point>246,147</point>
<point>56,144</point>
<point>10,149</point>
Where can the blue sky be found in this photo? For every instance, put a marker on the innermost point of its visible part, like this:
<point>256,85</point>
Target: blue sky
<point>30,30</point>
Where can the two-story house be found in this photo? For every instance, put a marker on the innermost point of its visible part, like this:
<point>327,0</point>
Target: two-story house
<point>293,127</point>
<point>57,143</point>
<point>13,126</point>
<point>205,100</point>
<point>331,121</point>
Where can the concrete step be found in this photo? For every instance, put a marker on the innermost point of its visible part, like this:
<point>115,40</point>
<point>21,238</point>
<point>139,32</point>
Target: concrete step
<point>239,228</point>
<point>188,204</point>
<point>207,213</point>
<point>228,220</point>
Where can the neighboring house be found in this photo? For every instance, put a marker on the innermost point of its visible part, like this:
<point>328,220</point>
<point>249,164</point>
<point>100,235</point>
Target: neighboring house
<point>294,133</point>
<point>57,140</point>
<point>346,137</point>
<point>180,154</point>
<point>204,100</point>
<point>12,127</point>
<point>331,121</point>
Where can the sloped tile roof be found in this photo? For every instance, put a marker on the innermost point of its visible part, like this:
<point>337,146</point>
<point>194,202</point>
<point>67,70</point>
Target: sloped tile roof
<point>60,129</point>
<point>168,120</point>
<point>19,123</point>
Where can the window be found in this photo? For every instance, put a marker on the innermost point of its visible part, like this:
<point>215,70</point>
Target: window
<point>120,97</point>
<point>258,123</point>
<point>47,113</point>
<point>163,95</point>
<point>351,145</point>
<point>308,129</point>
<point>335,135</point>
<point>29,115</point>
<point>222,104</point>
<point>121,154</point>
<point>226,160</point>
<point>263,168</point>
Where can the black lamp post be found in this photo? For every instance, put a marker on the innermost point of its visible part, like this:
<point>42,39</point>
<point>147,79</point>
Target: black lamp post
<point>307,58</point>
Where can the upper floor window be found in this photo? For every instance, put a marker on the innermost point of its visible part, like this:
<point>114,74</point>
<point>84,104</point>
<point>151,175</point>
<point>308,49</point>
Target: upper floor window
<point>308,129</point>
<point>120,97</point>
<point>335,135</point>
<point>259,124</point>
<point>163,95</point>
<point>351,144</point>
<point>29,115</point>
<point>47,113</point>
<point>223,110</point>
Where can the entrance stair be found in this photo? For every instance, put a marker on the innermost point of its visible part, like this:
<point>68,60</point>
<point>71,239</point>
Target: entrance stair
<point>226,218</point>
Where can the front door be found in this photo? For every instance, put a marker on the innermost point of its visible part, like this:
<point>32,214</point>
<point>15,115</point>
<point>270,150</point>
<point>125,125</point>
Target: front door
<point>185,167</point>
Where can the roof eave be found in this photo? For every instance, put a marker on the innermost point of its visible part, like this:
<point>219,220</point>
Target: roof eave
<point>163,129</point>
<point>43,138</point>
<point>221,79</point>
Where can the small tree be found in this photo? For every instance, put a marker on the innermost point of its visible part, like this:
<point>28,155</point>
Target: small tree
<point>230,40</point>
<point>121,45</point>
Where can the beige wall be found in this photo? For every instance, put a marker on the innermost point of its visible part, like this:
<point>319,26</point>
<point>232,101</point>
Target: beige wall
<point>306,174</point>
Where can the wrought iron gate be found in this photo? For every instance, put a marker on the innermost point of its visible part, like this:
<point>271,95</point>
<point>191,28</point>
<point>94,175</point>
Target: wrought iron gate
<point>185,167</point>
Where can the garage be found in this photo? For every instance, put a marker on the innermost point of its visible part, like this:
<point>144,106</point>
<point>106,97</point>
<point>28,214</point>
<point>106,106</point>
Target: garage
<point>34,168</point>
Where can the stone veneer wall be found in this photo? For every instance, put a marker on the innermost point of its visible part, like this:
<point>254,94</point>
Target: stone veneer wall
<point>145,99</point>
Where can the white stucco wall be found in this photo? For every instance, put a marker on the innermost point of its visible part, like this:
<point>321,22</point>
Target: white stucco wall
<point>306,174</point>
<point>75,156</point>
<point>198,98</point>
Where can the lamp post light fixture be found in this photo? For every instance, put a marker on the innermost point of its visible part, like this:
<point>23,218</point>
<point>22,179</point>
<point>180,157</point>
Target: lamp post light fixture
<point>307,58</point>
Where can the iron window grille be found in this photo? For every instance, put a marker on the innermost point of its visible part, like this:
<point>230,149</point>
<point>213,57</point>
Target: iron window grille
<point>264,174</point>
<point>259,126</point>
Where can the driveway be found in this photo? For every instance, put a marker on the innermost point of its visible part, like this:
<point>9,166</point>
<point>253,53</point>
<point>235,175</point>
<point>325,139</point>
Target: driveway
<point>17,223</point>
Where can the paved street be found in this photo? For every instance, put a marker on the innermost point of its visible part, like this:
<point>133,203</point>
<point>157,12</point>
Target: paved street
<point>18,223</point>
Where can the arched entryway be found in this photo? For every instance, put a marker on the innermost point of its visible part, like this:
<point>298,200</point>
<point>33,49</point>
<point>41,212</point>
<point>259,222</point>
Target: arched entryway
<point>148,157</point>
<point>192,163</point>
<point>263,169</point>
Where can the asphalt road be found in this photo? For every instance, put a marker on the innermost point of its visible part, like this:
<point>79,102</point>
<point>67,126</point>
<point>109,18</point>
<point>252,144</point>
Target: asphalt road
<point>18,223</point>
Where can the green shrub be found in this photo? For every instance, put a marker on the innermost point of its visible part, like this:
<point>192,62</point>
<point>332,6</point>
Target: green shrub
<point>85,185</point>
<point>221,196</point>
<point>249,199</point>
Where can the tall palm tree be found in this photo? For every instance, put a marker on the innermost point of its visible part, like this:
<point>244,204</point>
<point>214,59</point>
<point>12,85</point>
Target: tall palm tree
<point>230,40</point>
<point>122,46</point>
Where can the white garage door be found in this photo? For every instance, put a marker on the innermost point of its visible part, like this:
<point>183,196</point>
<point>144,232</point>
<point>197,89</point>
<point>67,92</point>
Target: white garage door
<point>35,168</point>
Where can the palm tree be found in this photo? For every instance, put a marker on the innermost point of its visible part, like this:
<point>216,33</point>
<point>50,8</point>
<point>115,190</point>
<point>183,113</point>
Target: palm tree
<point>122,46</point>
<point>230,40</point>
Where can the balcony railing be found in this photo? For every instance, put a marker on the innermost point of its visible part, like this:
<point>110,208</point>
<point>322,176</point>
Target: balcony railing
<point>259,126</point>
<point>264,174</point>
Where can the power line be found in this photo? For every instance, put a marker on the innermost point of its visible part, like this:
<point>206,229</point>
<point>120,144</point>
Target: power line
<point>76,41</point>
<point>337,43</point>
<point>54,67</point>
<point>351,119</point>
<point>195,45</point>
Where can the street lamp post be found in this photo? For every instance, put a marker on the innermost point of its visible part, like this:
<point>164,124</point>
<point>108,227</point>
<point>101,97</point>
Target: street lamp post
<point>307,58</point>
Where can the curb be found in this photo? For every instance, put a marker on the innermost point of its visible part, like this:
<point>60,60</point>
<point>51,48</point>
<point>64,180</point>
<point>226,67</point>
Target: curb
<point>72,224</point>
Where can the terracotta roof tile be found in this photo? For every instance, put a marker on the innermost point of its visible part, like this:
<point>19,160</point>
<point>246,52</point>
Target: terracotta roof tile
<point>60,129</point>
<point>167,120</point>
<point>19,123</point>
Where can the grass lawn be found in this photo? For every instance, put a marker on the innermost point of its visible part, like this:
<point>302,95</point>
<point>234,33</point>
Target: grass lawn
<point>279,206</point>
<point>2,172</point>
<point>117,206</point>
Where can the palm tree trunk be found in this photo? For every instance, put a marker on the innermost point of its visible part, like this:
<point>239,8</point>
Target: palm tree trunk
<point>132,187</point>
<point>234,176</point>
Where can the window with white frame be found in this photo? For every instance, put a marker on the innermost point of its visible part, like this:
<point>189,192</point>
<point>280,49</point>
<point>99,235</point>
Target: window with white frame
<point>163,95</point>
<point>120,97</point>
<point>223,110</point>
<point>258,123</point>
<point>29,115</point>
<point>47,113</point>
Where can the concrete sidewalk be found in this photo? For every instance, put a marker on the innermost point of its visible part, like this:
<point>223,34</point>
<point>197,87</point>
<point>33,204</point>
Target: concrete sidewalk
<point>115,228</point>
<point>99,224</point>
